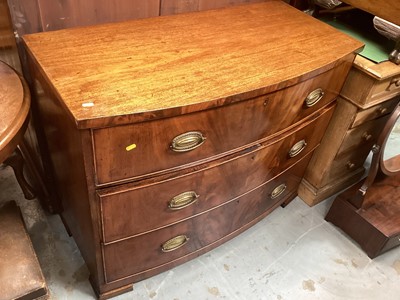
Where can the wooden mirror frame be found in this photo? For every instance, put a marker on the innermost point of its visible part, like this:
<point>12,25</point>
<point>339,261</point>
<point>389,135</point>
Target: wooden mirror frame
<point>390,166</point>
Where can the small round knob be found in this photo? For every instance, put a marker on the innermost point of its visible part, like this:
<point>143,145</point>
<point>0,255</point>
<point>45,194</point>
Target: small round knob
<point>382,110</point>
<point>366,136</point>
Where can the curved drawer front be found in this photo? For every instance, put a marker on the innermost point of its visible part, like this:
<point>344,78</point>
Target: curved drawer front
<point>134,151</point>
<point>129,211</point>
<point>136,255</point>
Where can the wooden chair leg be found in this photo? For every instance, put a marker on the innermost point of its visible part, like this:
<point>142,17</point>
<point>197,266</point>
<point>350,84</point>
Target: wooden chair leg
<point>16,162</point>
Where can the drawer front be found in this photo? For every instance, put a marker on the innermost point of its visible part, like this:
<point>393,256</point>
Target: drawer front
<point>366,90</point>
<point>375,112</point>
<point>346,164</point>
<point>385,89</point>
<point>129,211</point>
<point>138,150</point>
<point>136,255</point>
<point>363,136</point>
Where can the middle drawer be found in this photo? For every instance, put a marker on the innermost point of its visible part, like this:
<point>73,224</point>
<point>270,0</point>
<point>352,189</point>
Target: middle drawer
<point>129,210</point>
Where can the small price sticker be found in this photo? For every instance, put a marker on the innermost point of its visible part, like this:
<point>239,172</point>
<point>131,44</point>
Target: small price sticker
<point>130,147</point>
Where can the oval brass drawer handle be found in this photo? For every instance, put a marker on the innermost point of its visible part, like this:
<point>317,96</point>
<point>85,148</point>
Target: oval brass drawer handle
<point>278,191</point>
<point>183,200</point>
<point>314,97</point>
<point>187,141</point>
<point>297,148</point>
<point>174,243</point>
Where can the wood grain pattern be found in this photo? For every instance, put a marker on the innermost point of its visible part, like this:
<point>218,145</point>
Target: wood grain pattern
<point>156,67</point>
<point>130,210</point>
<point>225,128</point>
<point>203,230</point>
<point>132,77</point>
<point>14,108</point>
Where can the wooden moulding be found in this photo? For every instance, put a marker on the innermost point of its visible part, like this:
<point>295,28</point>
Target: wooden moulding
<point>312,196</point>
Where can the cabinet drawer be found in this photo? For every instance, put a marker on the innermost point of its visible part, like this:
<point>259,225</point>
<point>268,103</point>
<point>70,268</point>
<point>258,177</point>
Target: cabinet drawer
<point>365,89</point>
<point>375,112</point>
<point>127,211</point>
<point>201,231</point>
<point>133,151</point>
<point>346,164</point>
<point>363,136</point>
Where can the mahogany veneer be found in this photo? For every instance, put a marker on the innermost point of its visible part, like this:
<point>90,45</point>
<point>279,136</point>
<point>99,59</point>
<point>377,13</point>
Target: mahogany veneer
<point>169,136</point>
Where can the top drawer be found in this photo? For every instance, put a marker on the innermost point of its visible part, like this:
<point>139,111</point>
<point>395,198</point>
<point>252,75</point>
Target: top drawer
<point>134,151</point>
<point>369,84</point>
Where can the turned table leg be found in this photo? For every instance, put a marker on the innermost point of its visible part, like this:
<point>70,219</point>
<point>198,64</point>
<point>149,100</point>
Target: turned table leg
<point>16,162</point>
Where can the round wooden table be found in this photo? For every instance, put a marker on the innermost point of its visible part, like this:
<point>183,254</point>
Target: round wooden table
<point>15,103</point>
<point>14,108</point>
<point>21,276</point>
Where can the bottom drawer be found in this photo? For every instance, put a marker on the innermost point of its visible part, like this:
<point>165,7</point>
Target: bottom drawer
<point>156,249</point>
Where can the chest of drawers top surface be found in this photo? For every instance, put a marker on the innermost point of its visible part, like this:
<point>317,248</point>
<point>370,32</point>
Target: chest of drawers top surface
<point>145,69</point>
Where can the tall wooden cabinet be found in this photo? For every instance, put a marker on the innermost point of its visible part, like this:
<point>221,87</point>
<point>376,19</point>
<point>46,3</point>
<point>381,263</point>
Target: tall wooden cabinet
<point>165,142</point>
<point>369,95</point>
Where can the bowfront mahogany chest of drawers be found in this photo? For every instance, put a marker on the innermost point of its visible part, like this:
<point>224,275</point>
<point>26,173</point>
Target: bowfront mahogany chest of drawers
<point>168,136</point>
